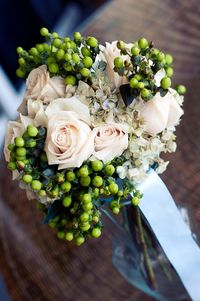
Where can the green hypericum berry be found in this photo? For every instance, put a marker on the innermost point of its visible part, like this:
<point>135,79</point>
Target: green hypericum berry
<point>19,50</point>
<point>60,178</point>
<point>87,61</point>
<point>61,234</point>
<point>32,131</point>
<point>19,141</point>
<point>96,232</point>
<point>169,71</point>
<point>20,164</point>
<point>84,217</point>
<point>135,201</point>
<point>50,60</point>
<point>67,200</point>
<point>96,192</point>
<point>67,45</point>
<point>92,42</point>
<point>97,181</point>
<point>60,54</point>
<point>83,172</point>
<point>46,47</point>
<point>95,219</point>
<point>36,185</point>
<point>80,240</point>
<point>133,82</point>
<point>52,225</point>
<point>87,198</point>
<point>181,89</point>
<point>33,51</point>
<point>68,57</point>
<point>42,193</point>
<point>11,147</point>
<point>68,68</point>
<point>40,47</point>
<point>70,80</point>
<point>21,61</point>
<point>27,179</point>
<point>53,67</point>
<point>76,58</point>
<point>109,169</point>
<point>165,83</point>
<point>135,50</point>
<point>31,143</point>
<point>69,236</point>
<point>143,43</point>
<point>140,85</point>
<point>67,39</point>
<point>160,56</point>
<point>85,227</point>
<point>20,158</point>
<point>155,51</point>
<point>85,72</point>
<point>120,45</point>
<point>20,73</point>
<point>85,51</point>
<point>97,165</point>
<point>77,36</point>
<point>66,186</point>
<point>73,45</point>
<point>115,210</point>
<point>120,193</point>
<point>54,193</point>
<point>113,187</point>
<point>88,206</point>
<point>168,59</point>
<point>118,62</point>
<point>21,151</point>
<point>138,77</point>
<point>12,166</point>
<point>145,93</point>
<point>85,181</point>
<point>57,42</point>
<point>70,176</point>
<point>44,32</point>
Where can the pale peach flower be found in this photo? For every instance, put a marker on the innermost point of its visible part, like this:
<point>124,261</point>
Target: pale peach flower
<point>107,54</point>
<point>160,113</point>
<point>110,141</point>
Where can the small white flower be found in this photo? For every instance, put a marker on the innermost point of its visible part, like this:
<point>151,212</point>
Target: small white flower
<point>121,171</point>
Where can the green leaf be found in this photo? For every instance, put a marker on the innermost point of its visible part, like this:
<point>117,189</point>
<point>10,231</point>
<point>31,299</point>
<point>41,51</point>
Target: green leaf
<point>102,65</point>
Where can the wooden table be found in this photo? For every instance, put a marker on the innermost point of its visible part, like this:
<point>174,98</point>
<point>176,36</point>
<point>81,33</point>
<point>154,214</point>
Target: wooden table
<point>38,267</point>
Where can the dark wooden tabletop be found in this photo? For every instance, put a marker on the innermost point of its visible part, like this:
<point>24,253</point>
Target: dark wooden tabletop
<point>35,265</point>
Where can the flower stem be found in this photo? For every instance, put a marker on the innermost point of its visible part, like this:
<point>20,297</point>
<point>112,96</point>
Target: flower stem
<point>147,261</point>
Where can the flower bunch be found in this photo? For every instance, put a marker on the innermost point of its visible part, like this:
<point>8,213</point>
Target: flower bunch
<point>93,121</point>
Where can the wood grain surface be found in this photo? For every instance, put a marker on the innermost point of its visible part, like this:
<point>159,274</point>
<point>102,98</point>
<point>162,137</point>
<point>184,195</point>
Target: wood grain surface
<point>37,266</point>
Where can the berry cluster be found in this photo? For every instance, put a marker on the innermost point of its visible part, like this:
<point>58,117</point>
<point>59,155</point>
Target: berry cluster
<point>70,58</point>
<point>77,194</point>
<point>145,61</point>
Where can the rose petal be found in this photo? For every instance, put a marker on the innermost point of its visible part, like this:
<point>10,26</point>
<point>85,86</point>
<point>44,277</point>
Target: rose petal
<point>69,104</point>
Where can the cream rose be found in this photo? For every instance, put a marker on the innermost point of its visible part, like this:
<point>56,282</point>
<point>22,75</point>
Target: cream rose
<point>67,143</point>
<point>110,141</point>
<point>108,53</point>
<point>160,113</point>
<point>39,85</point>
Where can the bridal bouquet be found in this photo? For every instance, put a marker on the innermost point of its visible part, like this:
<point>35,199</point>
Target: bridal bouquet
<point>93,122</point>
